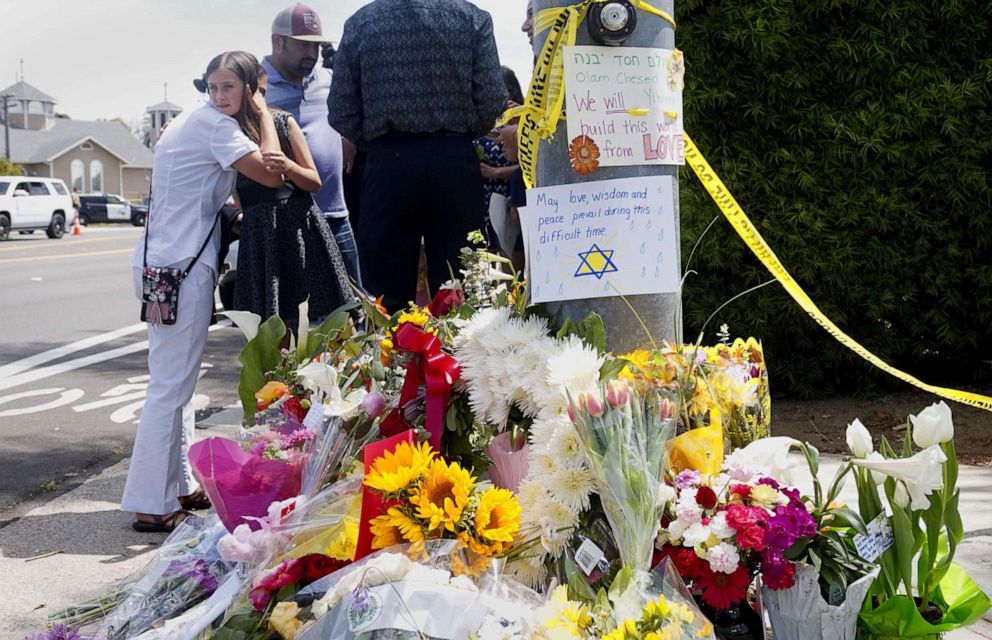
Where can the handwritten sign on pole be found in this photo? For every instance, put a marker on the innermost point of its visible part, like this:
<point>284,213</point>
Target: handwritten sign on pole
<point>628,101</point>
<point>600,239</point>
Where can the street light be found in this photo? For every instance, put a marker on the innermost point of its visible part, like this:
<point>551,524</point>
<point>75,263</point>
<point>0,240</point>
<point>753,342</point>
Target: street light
<point>6,128</point>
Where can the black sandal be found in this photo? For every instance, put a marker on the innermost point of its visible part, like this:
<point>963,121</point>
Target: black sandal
<point>160,524</point>
<point>195,501</point>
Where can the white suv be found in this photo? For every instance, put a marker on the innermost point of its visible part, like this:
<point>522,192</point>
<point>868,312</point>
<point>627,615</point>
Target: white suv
<point>29,203</point>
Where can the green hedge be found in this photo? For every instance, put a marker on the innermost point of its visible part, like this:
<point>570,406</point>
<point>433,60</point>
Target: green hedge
<point>858,136</point>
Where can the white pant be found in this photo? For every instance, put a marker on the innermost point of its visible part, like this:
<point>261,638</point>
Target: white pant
<point>160,470</point>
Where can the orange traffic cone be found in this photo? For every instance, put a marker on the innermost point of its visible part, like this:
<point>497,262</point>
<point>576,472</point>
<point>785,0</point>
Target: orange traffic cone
<point>77,229</point>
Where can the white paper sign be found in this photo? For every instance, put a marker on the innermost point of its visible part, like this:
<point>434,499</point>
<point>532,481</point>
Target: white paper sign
<point>878,540</point>
<point>600,239</point>
<point>628,102</point>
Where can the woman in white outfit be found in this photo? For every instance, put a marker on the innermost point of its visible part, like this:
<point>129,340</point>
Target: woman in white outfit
<point>197,160</point>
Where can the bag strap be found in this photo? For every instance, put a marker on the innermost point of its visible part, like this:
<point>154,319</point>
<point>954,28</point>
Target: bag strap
<point>199,253</point>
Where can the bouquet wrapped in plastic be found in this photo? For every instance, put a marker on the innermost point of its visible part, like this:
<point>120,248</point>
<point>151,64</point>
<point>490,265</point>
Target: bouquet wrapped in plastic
<point>242,484</point>
<point>626,439</point>
<point>436,589</point>
<point>186,570</point>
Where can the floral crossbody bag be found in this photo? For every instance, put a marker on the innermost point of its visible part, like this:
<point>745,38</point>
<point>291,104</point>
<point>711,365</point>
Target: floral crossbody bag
<point>160,285</point>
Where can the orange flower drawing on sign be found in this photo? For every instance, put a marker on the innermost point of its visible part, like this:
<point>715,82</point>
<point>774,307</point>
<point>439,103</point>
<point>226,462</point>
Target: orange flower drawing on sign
<point>583,153</point>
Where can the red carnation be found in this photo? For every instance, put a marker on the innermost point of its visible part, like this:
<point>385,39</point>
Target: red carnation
<point>721,590</point>
<point>706,498</point>
<point>742,490</point>
<point>751,537</point>
<point>779,578</point>
<point>686,562</point>
<point>444,301</point>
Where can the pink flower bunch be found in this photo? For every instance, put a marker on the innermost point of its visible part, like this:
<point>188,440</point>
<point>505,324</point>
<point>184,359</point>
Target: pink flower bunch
<point>719,533</point>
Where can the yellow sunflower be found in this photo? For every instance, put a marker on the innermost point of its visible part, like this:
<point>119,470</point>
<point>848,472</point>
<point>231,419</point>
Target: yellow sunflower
<point>498,517</point>
<point>442,495</point>
<point>395,471</point>
<point>386,351</point>
<point>414,315</point>
<point>394,527</point>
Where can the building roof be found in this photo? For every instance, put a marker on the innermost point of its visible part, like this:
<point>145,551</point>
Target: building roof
<point>23,91</point>
<point>30,147</point>
<point>165,106</point>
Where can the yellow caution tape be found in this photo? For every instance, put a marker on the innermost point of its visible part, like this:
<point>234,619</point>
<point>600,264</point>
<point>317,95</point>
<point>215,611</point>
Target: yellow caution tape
<point>747,231</point>
<point>542,109</point>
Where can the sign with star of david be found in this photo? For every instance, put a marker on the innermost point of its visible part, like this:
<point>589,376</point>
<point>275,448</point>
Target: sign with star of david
<point>601,239</point>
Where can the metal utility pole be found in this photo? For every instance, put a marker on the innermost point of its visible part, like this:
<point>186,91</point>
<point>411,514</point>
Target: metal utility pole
<point>661,312</point>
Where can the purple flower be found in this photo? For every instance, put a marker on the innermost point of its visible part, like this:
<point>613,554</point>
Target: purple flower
<point>57,632</point>
<point>686,479</point>
<point>795,498</point>
<point>788,525</point>
<point>771,482</point>
<point>297,439</point>
<point>374,404</point>
<point>197,571</point>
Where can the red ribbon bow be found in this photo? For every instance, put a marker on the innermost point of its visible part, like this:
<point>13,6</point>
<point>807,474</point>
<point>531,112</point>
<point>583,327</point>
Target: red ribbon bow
<point>431,367</point>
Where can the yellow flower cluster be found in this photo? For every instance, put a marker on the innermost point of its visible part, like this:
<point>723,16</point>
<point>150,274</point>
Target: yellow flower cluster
<point>661,620</point>
<point>414,315</point>
<point>437,499</point>
<point>561,618</point>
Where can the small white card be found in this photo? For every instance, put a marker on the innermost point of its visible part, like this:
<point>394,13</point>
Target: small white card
<point>315,417</point>
<point>879,539</point>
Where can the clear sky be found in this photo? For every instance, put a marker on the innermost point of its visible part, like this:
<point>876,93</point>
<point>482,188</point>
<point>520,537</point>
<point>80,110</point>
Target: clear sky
<point>110,58</point>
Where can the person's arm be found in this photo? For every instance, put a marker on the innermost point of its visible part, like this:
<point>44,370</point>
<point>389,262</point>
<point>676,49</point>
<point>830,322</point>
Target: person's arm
<point>497,173</point>
<point>252,165</point>
<point>344,101</point>
<point>488,89</point>
<point>303,171</point>
<point>348,152</point>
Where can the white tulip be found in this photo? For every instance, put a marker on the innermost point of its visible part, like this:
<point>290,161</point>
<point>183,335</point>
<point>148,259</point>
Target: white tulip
<point>859,440</point>
<point>933,426</point>
<point>923,473</point>
<point>901,496</point>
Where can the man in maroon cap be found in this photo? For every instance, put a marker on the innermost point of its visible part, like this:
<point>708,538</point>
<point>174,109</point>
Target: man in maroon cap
<point>299,85</point>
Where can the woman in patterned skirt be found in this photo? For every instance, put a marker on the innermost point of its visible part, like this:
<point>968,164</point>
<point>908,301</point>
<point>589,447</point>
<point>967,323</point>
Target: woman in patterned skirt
<point>287,252</point>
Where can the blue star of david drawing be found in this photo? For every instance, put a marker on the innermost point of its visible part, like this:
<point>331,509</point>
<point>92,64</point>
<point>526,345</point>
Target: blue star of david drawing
<point>596,262</point>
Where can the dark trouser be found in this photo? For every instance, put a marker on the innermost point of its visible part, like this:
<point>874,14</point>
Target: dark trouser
<point>416,187</point>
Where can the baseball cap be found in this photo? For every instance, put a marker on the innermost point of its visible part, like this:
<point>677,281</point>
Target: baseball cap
<point>299,22</point>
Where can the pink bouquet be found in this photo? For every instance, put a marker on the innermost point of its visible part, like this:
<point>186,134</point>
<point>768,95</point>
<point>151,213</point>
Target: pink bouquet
<point>242,484</point>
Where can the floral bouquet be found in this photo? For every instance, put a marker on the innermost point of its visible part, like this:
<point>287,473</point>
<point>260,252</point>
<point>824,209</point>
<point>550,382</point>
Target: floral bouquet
<point>626,442</point>
<point>654,606</point>
<point>187,570</point>
<point>920,591</point>
<point>428,498</point>
<point>436,589</point>
<point>722,530</point>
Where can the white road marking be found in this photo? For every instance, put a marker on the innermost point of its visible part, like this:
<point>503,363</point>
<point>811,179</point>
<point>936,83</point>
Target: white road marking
<point>107,402</point>
<point>30,362</point>
<point>78,363</point>
<point>65,397</point>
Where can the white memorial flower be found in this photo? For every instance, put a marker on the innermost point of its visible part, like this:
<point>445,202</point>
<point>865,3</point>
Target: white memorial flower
<point>923,473</point>
<point>933,426</point>
<point>859,440</point>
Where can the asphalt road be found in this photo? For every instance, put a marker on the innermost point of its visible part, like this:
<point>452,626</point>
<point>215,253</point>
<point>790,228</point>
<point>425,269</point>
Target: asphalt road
<point>73,361</point>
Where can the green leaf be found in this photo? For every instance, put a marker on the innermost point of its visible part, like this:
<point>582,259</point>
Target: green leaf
<point>904,546</point>
<point>592,331</point>
<point>259,356</point>
<point>611,369</point>
<point>845,517</point>
<point>620,583</point>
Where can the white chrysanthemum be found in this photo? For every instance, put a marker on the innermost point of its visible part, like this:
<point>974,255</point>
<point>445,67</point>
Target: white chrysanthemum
<point>553,541</point>
<point>560,516</point>
<point>566,446</point>
<point>477,328</point>
<point>530,495</point>
<point>542,432</point>
<point>541,468</point>
<point>575,367</point>
<point>530,570</point>
<point>572,487</point>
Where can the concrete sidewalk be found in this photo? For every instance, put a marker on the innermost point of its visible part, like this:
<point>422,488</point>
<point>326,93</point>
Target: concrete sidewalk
<point>78,545</point>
